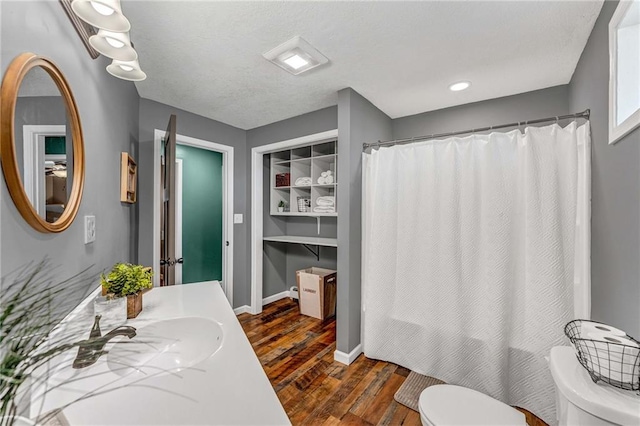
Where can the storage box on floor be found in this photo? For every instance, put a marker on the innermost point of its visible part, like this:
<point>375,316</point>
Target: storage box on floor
<point>317,292</point>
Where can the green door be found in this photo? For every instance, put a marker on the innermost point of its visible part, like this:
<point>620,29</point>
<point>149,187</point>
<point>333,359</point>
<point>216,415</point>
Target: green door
<point>202,198</point>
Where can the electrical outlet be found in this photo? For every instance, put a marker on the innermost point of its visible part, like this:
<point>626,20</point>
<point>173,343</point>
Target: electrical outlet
<point>89,229</point>
<point>237,218</point>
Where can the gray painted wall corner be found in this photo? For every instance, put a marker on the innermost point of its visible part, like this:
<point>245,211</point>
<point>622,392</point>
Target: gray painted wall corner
<point>359,121</point>
<point>615,204</point>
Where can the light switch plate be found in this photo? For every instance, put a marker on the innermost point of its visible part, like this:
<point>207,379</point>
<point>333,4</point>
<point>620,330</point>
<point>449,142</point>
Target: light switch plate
<point>89,229</point>
<point>237,218</point>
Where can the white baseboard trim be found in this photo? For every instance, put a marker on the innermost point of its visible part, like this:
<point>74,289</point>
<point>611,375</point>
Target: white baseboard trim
<point>275,298</point>
<point>345,358</point>
<point>242,309</point>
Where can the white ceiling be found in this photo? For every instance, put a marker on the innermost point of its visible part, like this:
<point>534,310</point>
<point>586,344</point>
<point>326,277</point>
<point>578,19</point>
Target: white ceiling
<point>206,56</point>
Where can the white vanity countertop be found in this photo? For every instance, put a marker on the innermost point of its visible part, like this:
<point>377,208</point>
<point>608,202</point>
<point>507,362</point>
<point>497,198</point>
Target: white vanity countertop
<point>229,388</point>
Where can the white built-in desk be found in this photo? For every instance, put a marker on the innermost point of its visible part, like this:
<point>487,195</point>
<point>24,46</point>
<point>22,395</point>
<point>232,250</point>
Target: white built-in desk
<point>305,241</point>
<point>315,241</point>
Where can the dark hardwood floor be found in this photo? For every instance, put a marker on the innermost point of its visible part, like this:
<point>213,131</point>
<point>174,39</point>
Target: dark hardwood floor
<point>296,352</point>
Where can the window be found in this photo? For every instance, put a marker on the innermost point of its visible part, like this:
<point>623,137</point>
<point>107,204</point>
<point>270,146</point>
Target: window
<point>624,71</point>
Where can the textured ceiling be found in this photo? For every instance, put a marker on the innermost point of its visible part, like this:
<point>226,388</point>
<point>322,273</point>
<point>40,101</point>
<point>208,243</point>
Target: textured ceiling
<point>206,57</point>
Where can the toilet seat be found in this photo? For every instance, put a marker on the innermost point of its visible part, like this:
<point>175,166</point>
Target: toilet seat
<point>442,405</point>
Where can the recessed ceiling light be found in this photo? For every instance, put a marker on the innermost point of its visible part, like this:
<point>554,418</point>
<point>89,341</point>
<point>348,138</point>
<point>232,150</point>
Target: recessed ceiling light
<point>296,62</point>
<point>296,56</point>
<point>461,85</point>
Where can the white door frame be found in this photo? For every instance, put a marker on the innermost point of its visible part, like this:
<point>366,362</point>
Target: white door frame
<point>227,204</point>
<point>179,181</point>
<point>33,160</point>
<point>257,169</point>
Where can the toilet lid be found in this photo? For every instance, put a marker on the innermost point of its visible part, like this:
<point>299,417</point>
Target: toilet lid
<point>457,405</point>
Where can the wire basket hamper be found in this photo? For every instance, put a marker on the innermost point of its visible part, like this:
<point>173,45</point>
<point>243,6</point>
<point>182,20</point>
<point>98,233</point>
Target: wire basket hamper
<point>304,204</point>
<point>607,360</point>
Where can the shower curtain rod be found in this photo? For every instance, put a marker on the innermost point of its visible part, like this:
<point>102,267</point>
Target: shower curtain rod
<point>584,114</point>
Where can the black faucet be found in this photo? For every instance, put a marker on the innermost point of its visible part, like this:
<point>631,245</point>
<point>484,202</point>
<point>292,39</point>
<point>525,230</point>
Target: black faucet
<point>91,349</point>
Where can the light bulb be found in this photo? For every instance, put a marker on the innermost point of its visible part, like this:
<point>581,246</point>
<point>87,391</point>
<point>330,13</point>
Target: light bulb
<point>126,67</point>
<point>102,9</point>
<point>461,85</point>
<point>114,43</point>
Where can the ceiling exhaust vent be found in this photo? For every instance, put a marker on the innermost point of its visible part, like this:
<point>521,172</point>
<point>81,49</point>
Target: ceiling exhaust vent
<point>296,56</point>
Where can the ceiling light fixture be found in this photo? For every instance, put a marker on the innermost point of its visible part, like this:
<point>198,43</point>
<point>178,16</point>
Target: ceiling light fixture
<point>113,42</point>
<point>126,70</point>
<point>102,9</point>
<point>296,56</point>
<point>114,45</point>
<point>103,14</point>
<point>296,62</point>
<point>461,85</point>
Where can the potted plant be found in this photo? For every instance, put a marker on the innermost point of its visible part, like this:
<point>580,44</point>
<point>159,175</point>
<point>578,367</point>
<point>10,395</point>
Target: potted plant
<point>127,280</point>
<point>32,303</point>
<point>281,206</point>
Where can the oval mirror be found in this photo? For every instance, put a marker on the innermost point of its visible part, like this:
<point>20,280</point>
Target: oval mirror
<point>41,146</point>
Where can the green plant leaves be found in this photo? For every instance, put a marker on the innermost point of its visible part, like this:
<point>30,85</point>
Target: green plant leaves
<point>126,279</point>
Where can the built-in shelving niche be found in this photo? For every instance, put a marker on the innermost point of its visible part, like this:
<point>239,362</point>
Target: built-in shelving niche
<point>305,161</point>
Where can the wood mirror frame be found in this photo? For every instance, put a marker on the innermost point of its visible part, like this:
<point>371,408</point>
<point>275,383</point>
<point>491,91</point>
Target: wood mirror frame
<point>11,82</point>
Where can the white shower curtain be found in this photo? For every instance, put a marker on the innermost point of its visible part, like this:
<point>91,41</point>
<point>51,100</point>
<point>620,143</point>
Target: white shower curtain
<point>476,254</point>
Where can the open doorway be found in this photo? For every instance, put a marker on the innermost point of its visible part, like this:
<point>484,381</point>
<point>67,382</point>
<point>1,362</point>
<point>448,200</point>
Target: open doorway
<point>45,173</point>
<point>257,207</point>
<point>203,211</point>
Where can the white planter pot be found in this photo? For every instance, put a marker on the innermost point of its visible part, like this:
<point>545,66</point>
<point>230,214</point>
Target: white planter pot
<point>280,209</point>
<point>113,312</point>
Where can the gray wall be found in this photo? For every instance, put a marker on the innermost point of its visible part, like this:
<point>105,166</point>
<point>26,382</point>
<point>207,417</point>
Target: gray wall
<point>109,114</point>
<point>281,260</point>
<point>510,109</point>
<point>154,115</point>
<point>274,258</point>
<point>615,215</point>
<point>359,121</point>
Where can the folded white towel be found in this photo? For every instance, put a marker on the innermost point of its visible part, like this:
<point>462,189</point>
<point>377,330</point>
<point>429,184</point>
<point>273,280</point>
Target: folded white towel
<point>323,174</point>
<point>325,201</point>
<point>329,172</point>
<point>327,198</point>
<point>322,180</point>
<point>321,209</point>
<point>328,179</point>
<point>304,181</point>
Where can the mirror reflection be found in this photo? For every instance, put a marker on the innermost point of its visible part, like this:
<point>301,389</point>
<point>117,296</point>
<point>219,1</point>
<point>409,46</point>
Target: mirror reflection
<point>44,148</point>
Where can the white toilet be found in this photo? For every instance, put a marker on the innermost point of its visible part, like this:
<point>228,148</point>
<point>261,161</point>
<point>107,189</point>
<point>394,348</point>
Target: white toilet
<point>456,405</point>
<point>579,401</point>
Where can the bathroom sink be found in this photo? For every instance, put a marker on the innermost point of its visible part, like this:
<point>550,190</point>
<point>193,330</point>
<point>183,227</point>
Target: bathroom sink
<point>166,347</point>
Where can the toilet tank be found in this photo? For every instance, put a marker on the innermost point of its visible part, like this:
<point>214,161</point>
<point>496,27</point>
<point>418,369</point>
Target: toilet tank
<point>580,401</point>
